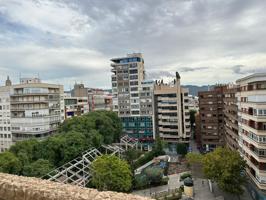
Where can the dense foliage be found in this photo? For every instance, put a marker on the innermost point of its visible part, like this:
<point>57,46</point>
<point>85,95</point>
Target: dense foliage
<point>151,176</point>
<point>154,174</point>
<point>223,166</point>
<point>111,173</point>
<point>181,149</point>
<point>74,136</point>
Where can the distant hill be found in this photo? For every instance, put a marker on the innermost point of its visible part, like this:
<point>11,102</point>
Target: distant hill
<point>194,89</point>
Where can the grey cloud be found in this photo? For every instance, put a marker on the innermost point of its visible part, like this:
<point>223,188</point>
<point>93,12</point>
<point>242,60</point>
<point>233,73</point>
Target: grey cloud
<point>237,69</point>
<point>191,69</point>
<point>159,74</point>
<point>242,69</point>
<point>169,33</point>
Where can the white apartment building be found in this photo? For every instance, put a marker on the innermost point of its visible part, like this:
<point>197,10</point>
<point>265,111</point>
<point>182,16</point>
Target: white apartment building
<point>251,98</point>
<point>5,126</point>
<point>30,109</point>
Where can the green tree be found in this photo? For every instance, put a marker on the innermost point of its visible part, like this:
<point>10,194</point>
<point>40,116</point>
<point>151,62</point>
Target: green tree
<point>111,173</point>
<point>131,155</point>
<point>52,149</point>
<point>24,150</point>
<point>9,163</point>
<point>38,168</point>
<point>154,174</point>
<point>225,167</point>
<point>141,181</point>
<point>107,124</point>
<point>194,158</point>
<point>181,149</point>
<point>158,147</point>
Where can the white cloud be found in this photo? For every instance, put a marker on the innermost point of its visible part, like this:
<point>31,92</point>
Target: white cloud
<point>47,16</point>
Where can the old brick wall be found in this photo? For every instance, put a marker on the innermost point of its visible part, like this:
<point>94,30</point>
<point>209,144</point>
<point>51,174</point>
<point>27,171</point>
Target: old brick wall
<point>24,188</point>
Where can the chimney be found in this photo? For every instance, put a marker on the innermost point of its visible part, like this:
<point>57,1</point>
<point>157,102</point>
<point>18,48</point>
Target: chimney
<point>177,75</point>
<point>8,81</point>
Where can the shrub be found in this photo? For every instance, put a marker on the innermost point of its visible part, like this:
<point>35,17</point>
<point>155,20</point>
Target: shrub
<point>184,176</point>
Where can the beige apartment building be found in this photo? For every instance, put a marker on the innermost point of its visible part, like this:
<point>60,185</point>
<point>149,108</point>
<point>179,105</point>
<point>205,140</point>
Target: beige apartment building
<point>30,109</point>
<point>98,99</point>
<point>251,97</point>
<point>75,106</point>
<point>171,111</point>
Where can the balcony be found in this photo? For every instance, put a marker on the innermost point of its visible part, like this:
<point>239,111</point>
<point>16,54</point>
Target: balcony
<point>29,101</point>
<point>167,123</point>
<point>166,111</point>
<point>168,130</point>
<point>43,120</point>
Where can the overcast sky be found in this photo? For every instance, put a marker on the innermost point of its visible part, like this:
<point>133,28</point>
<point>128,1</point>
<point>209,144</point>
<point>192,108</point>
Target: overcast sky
<point>206,41</point>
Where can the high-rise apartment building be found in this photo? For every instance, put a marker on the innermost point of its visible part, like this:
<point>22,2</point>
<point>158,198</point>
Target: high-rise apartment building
<point>171,111</point>
<point>230,117</point>
<point>132,96</point>
<point>251,97</point>
<point>211,118</point>
<point>30,109</point>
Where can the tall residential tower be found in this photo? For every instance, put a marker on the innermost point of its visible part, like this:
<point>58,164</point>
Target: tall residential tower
<point>171,112</point>
<point>132,96</point>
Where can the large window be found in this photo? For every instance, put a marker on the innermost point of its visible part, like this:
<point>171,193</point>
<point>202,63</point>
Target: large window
<point>35,90</point>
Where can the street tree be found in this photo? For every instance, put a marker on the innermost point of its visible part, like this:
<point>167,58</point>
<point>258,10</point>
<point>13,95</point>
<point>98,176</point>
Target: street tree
<point>226,168</point>
<point>111,173</point>
<point>181,149</point>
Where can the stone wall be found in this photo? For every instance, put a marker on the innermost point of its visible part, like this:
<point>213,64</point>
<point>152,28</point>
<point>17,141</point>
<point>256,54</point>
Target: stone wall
<point>24,188</point>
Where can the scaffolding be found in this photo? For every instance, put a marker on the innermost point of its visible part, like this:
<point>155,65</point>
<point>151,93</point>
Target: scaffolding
<point>78,171</point>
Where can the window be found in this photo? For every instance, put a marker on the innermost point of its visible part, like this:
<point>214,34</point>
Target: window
<point>135,95</point>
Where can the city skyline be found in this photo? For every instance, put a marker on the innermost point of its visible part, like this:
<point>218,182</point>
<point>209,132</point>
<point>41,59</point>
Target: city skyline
<point>73,41</point>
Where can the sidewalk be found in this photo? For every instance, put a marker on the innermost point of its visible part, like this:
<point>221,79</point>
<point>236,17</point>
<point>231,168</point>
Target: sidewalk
<point>202,191</point>
<point>172,184</point>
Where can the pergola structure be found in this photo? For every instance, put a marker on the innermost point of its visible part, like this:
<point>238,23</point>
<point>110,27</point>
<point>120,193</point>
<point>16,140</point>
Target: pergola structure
<point>78,170</point>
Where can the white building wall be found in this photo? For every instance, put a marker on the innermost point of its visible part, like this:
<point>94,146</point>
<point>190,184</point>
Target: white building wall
<point>5,126</point>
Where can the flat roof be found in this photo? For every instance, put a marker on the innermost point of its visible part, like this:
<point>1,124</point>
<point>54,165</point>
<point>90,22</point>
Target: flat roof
<point>255,75</point>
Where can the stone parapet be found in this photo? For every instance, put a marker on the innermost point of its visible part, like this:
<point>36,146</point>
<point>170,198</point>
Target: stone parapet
<point>24,188</point>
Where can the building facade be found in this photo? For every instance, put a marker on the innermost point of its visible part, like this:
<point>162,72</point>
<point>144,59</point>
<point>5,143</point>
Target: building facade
<point>211,118</point>
<point>132,96</point>
<point>171,112</point>
<point>98,99</point>
<point>75,106</point>
<point>30,109</point>
<point>230,117</point>
<point>193,103</point>
<point>251,98</point>
<point>5,117</point>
